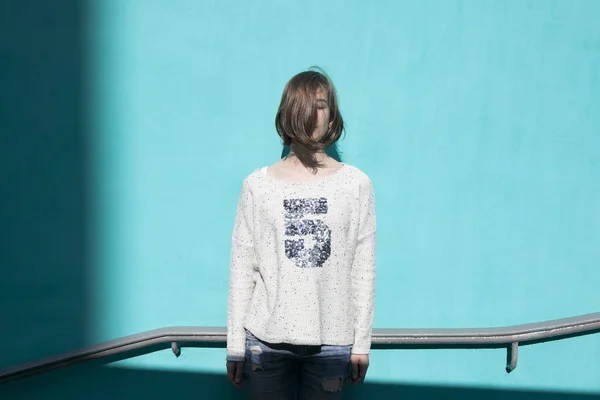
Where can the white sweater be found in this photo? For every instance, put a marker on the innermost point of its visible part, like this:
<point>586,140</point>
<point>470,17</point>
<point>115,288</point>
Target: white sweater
<point>302,267</point>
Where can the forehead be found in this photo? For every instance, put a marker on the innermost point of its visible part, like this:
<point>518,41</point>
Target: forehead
<point>321,94</point>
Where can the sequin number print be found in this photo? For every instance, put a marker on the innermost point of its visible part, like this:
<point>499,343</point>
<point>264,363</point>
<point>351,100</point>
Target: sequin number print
<point>296,225</point>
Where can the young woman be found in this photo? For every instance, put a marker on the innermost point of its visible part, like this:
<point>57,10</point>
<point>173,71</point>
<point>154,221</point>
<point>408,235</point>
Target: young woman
<point>302,270</point>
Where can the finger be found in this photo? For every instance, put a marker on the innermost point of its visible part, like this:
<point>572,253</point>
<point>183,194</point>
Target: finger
<point>363,372</point>
<point>231,369</point>
<point>230,373</point>
<point>354,370</point>
<point>238,373</point>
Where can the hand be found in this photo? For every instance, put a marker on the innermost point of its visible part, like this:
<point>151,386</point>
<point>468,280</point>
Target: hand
<point>360,364</point>
<point>235,371</point>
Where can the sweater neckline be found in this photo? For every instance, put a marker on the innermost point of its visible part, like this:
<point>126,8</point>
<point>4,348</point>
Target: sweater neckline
<point>263,171</point>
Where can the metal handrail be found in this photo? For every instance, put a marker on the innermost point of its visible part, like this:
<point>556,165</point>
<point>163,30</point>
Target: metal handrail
<point>382,338</point>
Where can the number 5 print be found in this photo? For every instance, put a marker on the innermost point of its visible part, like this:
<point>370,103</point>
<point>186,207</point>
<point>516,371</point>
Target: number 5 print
<point>295,225</point>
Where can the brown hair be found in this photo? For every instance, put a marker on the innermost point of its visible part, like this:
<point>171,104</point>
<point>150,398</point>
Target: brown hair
<point>296,117</point>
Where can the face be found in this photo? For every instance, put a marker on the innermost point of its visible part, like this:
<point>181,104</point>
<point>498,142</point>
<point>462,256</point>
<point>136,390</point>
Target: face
<point>323,123</point>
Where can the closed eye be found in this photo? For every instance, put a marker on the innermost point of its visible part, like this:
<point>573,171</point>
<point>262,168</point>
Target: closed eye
<point>322,104</point>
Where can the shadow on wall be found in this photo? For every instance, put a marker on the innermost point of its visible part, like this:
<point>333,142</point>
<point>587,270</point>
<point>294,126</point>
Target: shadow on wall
<point>43,258</point>
<point>97,382</point>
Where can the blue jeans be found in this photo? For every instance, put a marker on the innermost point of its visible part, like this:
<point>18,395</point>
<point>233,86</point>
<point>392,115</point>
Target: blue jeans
<point>285,371</point>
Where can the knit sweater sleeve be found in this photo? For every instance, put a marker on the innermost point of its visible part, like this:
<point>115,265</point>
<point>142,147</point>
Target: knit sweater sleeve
<point>241,282</point>
<point>363,271</point>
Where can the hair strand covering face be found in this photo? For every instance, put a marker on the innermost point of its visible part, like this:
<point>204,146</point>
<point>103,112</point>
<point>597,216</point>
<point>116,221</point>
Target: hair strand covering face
<point>296,118</point>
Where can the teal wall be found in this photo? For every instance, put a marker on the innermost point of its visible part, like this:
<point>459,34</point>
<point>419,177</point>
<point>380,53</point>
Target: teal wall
<point>478,122</point>
<point>44,200</point>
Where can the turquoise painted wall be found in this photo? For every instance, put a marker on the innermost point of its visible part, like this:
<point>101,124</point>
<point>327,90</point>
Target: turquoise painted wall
<point>478,122</point>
